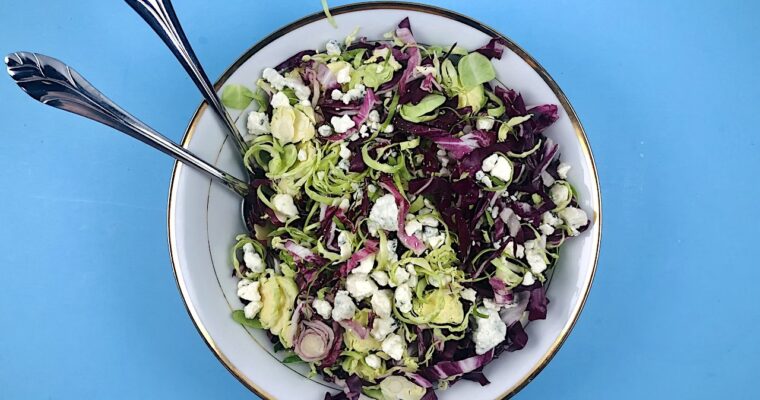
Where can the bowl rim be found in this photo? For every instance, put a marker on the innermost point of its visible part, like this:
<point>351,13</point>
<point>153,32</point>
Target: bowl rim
<point>363,6</point>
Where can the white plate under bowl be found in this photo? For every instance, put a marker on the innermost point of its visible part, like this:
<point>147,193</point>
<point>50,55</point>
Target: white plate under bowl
<point>204,217</point>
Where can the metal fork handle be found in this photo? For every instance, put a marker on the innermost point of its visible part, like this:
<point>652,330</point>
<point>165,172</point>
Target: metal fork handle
<point>54,83</point>
<point>160,15</point>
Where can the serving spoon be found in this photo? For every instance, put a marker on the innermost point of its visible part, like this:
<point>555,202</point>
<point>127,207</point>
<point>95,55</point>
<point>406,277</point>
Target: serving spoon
<point>54,83</point>
<point>160,16</point>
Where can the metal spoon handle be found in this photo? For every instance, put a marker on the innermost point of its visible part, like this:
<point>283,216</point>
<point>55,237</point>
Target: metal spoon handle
<point>160,15</point>
<point>54,83</point>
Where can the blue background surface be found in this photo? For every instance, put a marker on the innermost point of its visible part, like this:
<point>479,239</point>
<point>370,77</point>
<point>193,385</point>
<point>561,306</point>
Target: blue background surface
<point>668,93</point>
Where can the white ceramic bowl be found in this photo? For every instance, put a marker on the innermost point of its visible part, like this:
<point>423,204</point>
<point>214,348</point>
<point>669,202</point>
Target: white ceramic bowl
<point>204,217</point>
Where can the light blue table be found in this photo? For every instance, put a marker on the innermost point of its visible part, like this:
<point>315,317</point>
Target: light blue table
<point>669,95</point>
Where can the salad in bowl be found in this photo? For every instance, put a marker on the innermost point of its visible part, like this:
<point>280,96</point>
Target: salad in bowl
<point>407,213</point>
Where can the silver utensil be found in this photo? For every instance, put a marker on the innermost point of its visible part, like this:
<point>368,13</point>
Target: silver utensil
<point>160,15</point>
<point>54,83</point>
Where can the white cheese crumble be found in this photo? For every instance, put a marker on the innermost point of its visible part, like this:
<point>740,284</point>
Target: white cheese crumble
<point>344,74</point>
<point>559,194</point>
<point>489,162</point>
<point>433,237</point>
<point>393,346</point>
<point>365,265</point>
<point>344,244</point>
<point>381,277</point>
<point>257,123</point>
<point>400,277</point>
<point>279,100</point>
<point>403,297</point>
<point>384,213</point>
<point>344,153</point>
<point>374,116</point>
<point>325,130</point>
<point>344,308</point>
<point>534,255</point>
<point>563,169</point>
<point>502,169</point>
<point>412,227</point>
<point>252,259</point>
<point>382,302</point>
<point>469,294</point>
<point>484,123</point>
<point>283,204</point>
<point>382,327</point>
<point>528,279</point>
<point>332,48</point>
<point>574,218</point>
<point>342,124</point>
<point>360,286</point>
<point>322,307</point>
<point>279,82</point>
<point>489,331</point>
<point>372,361</point>
<point>249,290</point>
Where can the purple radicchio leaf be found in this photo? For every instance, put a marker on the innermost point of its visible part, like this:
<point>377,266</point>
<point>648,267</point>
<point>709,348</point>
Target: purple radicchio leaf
<point>494,48</point>
<point>293,61</point>
<point>447,369</point>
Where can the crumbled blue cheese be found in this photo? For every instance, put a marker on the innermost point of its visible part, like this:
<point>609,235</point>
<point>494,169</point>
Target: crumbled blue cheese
<point>485,123</point>
<point>393,346</point>
<point>343,308</point>
<point>279,100</point>
<point>325,130</point>
<point>550,219</point>
<point>283,205</point>
<point>428,220</point>
<point>384,213</point>
<point>332,48</point>
<point>382,327</point>
<point>344,74</point>
<point>382,303</point>
<point>381,277</point>
<point>322,307</point>
<point>356,93</point>
<point>252,259</point>
<point>412,227</point>
<point>574,218</point>
<point>344,153</point>
<point>433,237</point>
<point>403,297</point>
<point>279,82</point>
<point>528,279</point>
<point>559,194</point>
<point>489,162</point>
<point>257,123</point>
<point>535,255</point>
<point>360,286</point>
<point>399,277</point>
<point>249,290</point>
<point>469,295</point>
<point>302,156</point>
<point>344,244</point>
<point>489,332</point>
<point>502,169</point>
<point>342,124</point>
<point>562,170</point>
<point>372,361</point>
<point>365,265</point>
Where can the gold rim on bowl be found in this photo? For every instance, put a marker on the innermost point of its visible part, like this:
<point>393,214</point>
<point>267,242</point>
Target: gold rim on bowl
<point>579,132</point>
